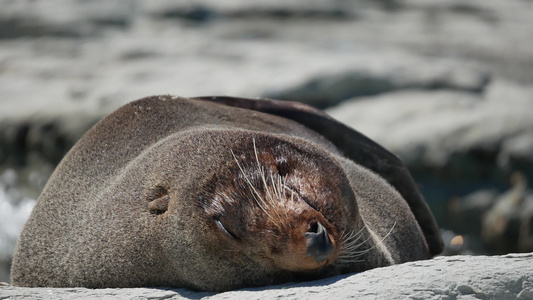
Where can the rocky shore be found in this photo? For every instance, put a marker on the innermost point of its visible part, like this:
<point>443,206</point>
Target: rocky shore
<point>446,85</point>
<point>452,277</point>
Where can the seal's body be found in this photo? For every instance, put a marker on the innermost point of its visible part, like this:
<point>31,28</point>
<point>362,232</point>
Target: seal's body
<point>221,193</point>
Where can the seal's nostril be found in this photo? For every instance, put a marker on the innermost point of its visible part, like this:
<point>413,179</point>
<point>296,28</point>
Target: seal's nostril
<point>313,227</point>
<point>318,244</point>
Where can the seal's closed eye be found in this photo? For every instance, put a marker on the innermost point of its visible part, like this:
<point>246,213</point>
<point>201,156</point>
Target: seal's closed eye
<point>225,229</point>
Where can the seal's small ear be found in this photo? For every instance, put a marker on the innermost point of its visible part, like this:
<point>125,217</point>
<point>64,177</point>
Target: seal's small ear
<point>355,146</point>
<point>158,200</point>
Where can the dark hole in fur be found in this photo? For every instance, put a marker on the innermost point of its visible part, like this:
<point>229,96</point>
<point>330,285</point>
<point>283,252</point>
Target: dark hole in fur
<point>159,198</point>
<point>313,227</point>
<point>283,166</point>
<point>156,192</point>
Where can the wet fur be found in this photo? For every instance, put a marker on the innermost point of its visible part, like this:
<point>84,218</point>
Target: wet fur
<point>136,202</point>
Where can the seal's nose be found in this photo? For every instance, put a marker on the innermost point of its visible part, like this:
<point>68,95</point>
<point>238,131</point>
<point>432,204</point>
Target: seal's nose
<point>318,244</point>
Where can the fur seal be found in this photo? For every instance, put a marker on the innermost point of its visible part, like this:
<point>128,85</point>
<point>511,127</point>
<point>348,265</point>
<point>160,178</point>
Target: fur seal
<point>220,193</point>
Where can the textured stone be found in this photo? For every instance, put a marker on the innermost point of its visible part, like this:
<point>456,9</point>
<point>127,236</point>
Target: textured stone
<point>454,135</point>
<point>452,277</point>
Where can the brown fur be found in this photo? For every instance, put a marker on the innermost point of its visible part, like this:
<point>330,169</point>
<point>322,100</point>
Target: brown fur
<point>215,196</point>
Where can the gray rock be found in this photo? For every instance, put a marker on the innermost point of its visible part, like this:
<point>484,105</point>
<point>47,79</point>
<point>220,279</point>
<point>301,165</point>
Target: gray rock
<point>462,136</point>
<point>326,90</point>
<point>453,277</point>
<point>68,19</point>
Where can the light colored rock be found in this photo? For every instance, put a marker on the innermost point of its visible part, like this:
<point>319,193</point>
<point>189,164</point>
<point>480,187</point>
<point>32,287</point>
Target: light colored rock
<point>370,78</point>
<point>249,51</point>
<point>428,127</point>
<point>63,19</point>
<point>453,277</point>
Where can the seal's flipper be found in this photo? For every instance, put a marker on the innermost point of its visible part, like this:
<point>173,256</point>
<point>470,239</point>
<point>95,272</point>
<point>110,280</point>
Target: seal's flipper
<point>355,146</point>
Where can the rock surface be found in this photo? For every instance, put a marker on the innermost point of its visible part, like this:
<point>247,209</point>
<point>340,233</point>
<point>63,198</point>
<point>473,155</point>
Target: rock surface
<point>452,277</point>
<point>459,138</point>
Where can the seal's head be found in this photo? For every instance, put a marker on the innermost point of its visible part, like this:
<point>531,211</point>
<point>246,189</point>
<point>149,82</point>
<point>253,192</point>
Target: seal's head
<point>288,206</point>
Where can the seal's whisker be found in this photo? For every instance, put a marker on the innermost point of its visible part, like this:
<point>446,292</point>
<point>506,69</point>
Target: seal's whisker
<point>356,254</point>
<point>352,234</point>
<point>352,256</point>
<point>351,244</point>
<point>360,253</point>
<point>355,246</point>
<point>262,172</point>
<point>268,190</point>
<point>388,233</point>
<point>257,197</point>
<point>352,238</point>
<point>282,185</point>
<point>280,188</point>
<point>275,188</point>
<point>278,192</point>
<point>361,243</point>
<point>379,241</point>
<point>272,190</point>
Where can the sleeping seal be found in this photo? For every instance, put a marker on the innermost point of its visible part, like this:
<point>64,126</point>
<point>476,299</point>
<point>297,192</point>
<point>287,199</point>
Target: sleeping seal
<point>220,193</point>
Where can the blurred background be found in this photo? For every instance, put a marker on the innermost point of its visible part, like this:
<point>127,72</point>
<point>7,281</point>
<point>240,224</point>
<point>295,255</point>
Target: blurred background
<point>446,85</point>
